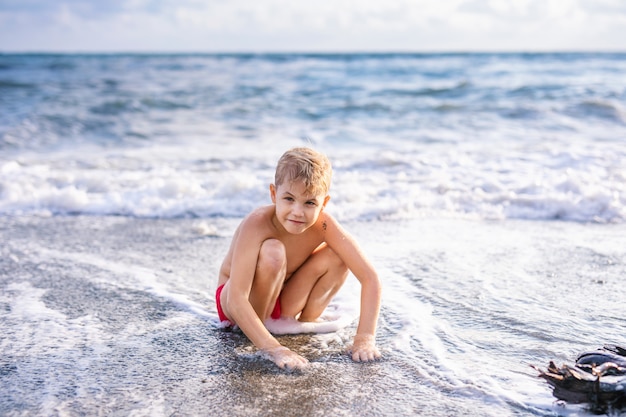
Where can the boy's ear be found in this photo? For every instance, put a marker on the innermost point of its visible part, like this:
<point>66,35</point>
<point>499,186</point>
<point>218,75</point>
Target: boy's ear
<point>326,199</point>
<point>273,193</point>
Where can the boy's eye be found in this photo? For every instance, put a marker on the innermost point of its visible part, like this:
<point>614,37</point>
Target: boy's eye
<point>311,203</point>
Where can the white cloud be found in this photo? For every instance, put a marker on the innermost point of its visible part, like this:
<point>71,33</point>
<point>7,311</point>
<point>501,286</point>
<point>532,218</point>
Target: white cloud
<point>266,25</point>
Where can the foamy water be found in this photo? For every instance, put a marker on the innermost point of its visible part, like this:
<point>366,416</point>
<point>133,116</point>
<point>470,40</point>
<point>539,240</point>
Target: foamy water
<point>486,136</point>
<point>468,306</point>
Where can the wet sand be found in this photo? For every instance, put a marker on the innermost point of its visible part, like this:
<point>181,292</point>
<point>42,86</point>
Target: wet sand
<point>92,341</point>
<point>115,316</point>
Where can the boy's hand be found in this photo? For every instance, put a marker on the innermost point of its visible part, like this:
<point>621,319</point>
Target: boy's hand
<point>285,358</point>
<point>364,348</point>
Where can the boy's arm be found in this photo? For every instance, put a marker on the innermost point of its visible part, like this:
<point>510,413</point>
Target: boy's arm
<point>246,318</point>
<point>364,346</point>
<point>243,267</point>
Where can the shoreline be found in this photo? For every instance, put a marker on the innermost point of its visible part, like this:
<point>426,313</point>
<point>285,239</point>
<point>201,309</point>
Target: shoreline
<point>114,315</point>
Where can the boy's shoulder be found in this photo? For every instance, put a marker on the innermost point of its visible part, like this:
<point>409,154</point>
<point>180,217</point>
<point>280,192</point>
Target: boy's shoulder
<point>262,213</point>
<point>258,219</point>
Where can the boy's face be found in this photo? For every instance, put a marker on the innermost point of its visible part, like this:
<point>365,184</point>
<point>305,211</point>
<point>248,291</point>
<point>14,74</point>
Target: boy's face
<point>296,209</point>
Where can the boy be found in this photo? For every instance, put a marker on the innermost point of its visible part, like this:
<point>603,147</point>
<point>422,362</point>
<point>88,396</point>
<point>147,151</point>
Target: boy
<point>290,258</point>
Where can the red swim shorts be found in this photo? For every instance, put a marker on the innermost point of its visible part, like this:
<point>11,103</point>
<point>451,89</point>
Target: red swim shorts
<point>220,313</point>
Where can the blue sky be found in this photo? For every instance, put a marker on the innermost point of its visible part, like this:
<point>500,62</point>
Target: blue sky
<point>312,25</point>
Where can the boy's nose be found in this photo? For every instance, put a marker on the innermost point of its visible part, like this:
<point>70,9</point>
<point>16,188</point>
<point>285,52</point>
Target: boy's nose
<point>297,210</point>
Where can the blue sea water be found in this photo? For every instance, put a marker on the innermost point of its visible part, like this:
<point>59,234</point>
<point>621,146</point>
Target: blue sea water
<point>495,136</point>
<point>487,189</point>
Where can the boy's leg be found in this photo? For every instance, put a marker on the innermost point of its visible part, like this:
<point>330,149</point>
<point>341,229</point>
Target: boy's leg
<point>311,288</point>
<point>268,279</point>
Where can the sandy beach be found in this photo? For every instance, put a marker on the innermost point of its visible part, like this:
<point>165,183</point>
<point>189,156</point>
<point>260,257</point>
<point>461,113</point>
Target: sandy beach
<point>100,339</point>
<point>114,316</point>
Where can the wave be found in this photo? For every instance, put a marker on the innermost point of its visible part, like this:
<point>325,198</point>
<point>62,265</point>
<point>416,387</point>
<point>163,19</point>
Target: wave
<point>600,109</point>
<point>537,136</point>
<point>389,186</point>
<point>455,90</point>
<point>10,84</point>
<point>122,106</point>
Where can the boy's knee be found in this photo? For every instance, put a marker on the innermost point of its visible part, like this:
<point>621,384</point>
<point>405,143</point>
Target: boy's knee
<point>335,262</point>
<point>333,269</point>
<point>272,255</point>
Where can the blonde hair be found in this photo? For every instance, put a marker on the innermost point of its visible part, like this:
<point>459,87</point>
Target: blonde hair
<point>306,165</point>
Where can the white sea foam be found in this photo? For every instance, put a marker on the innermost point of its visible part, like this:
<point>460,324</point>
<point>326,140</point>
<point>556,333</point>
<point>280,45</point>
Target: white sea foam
<point>139,278</point>
<point>467,307</point>
<point>40,329</point>
<point>521,184</point>
<point>342,312</point>
<point>455,292</point>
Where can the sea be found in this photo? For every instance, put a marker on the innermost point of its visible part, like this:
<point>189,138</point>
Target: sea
<point>488,190</point>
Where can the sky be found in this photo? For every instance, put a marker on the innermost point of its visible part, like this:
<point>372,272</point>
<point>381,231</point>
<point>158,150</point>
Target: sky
<point>311,25</point>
